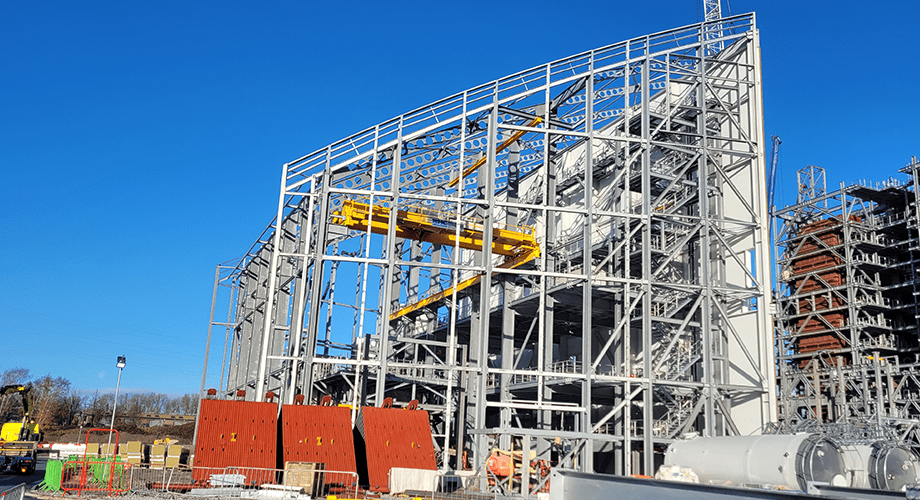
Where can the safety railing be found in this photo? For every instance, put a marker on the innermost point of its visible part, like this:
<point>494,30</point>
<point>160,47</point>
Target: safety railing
<point>441,485</point>
<point>568,366</point>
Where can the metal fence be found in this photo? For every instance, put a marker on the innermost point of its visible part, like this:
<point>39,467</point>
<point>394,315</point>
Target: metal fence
<point>230,480</point>
<point>14,493</point>
<point>95,475</point>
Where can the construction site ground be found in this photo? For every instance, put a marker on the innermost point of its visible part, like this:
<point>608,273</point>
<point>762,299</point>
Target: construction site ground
<point>161,495</point>
<point>11,480</point>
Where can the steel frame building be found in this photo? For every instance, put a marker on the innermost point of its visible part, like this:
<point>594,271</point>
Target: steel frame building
<point>577,268</point>
<point>848,267</point>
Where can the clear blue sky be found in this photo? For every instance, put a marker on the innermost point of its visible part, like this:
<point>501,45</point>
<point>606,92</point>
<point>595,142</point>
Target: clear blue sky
<point>141,142</point>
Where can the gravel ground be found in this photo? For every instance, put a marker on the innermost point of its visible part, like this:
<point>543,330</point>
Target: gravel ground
<point>131,495</point>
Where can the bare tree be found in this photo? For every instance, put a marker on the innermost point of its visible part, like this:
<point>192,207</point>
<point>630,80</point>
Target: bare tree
<point>50,400</point>
<point>98,406</point>
<point>188,404</point>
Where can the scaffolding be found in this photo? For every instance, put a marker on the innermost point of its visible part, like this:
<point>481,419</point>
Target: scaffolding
<point>578,264</point>
<point>847,308</point>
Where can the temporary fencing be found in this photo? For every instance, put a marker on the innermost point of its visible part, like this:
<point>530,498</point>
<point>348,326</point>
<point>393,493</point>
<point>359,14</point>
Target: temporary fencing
<point>95,475</point>
<point>179,478</point>
<point>441,485</point>
<point>52,479</point>
<point>15,493</point>
<point>182,478</point>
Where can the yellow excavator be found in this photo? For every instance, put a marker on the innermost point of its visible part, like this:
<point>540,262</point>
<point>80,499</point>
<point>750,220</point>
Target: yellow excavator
<point>19,440</point>
<point>27,430</point>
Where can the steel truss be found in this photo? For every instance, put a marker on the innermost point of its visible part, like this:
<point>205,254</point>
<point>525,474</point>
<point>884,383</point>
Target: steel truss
<point>632,175</point>
<point>847,313</point>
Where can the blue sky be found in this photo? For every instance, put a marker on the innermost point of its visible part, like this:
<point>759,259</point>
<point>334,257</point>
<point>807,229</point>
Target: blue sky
<point>141,143</point>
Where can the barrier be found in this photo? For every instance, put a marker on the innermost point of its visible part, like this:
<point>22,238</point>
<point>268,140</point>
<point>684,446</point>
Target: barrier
<point>52,479</point>
<point>14,493</point>
<point>95,473</point>
<point>182,478</point>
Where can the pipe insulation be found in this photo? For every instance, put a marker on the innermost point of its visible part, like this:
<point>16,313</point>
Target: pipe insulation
<point>778,460</point>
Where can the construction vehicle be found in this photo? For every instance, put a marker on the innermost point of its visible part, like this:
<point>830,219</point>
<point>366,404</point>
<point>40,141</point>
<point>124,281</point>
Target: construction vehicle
<point>18,456</point>
<point>19,440</point>
<point>27,430</point>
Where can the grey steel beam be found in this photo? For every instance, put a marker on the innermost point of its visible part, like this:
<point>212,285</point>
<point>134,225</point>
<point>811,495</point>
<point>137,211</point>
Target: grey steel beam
<point>639,183</point>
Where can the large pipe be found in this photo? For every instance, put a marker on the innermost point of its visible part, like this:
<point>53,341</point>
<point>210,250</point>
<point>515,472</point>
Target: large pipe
<point>856,458</point>
<point>882,466</point>
<point>892,467</point>
<point>790,461</point>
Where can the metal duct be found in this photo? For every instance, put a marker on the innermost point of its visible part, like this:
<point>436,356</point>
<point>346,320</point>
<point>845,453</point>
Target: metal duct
<point>778,460</point>
<point>892,467</point>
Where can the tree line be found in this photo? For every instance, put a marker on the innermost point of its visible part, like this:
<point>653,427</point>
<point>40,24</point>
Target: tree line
<point>55,403</point>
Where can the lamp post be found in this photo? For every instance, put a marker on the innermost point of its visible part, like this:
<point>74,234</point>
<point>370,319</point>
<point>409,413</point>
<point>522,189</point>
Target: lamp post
<point>120,364</point>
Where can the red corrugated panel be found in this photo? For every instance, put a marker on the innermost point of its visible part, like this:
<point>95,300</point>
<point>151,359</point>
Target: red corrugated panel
<point>320,434</point>
<point>236,434</point>
<point>395,438</point>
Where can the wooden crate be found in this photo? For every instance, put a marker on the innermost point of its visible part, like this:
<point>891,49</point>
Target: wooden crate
<point>307,475</point>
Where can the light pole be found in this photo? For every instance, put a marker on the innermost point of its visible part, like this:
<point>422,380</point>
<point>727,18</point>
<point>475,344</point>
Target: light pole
<point>120,364</point>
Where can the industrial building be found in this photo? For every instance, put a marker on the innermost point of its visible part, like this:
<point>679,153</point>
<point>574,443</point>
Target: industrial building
<point>848,266</point>
<point>571,262</point>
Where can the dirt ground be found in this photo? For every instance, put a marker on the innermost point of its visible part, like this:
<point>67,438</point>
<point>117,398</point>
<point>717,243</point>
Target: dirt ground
<point>157,495</point>
<point>184,433</point>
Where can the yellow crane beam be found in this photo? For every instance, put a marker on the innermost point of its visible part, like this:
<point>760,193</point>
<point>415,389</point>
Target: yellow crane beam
<point>518,243</point>
<point>524,258</point>
<point>432,226</point>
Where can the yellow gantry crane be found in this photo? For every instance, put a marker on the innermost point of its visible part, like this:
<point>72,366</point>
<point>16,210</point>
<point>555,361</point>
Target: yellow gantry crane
<point>517,243</point>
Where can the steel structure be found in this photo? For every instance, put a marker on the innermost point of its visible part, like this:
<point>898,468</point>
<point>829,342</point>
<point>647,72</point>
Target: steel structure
<point>577,265</point>
<point>848,275</point>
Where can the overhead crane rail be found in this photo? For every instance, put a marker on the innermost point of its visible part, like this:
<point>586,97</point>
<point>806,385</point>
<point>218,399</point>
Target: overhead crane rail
<point>517,243</point>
